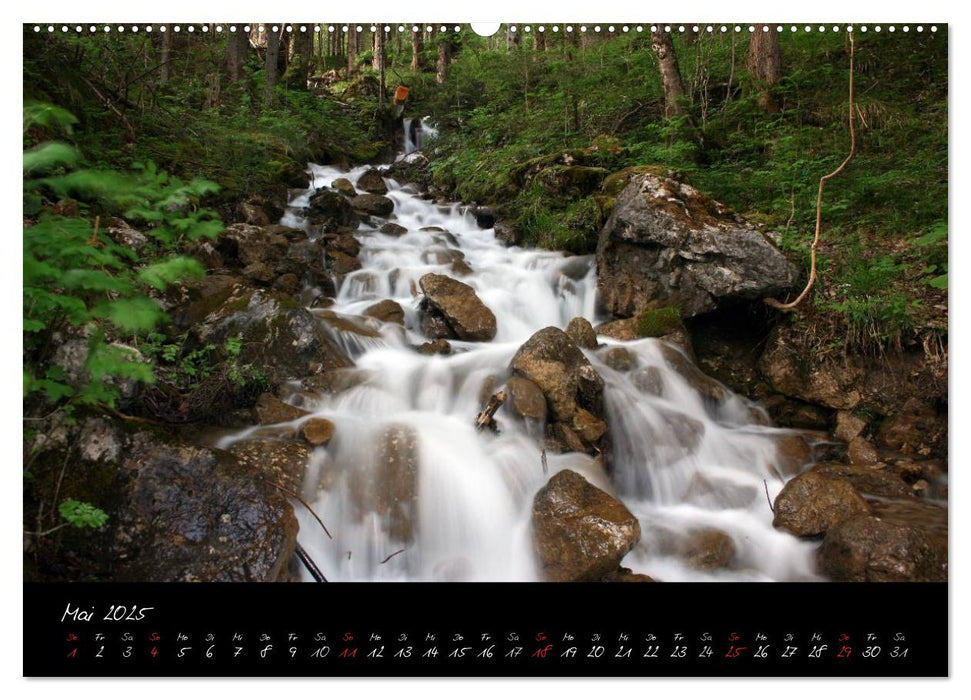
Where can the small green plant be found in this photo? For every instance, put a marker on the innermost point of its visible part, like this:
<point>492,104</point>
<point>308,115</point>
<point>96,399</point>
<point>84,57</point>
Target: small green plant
<point>81,515</point>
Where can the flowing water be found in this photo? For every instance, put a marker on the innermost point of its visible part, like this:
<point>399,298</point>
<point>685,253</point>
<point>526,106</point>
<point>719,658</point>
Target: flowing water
<point>681,462</point>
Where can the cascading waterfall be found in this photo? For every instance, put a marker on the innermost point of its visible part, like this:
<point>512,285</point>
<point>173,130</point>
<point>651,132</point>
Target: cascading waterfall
<point>418,132</point>
<point>411,491</point>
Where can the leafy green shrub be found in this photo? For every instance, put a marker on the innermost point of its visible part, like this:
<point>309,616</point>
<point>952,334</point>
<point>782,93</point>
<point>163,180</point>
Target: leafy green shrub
<point>78,282</point>
<point>81,515</point>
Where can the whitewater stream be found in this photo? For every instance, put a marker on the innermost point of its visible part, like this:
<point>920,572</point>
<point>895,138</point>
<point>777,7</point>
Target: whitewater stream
<point>681,463</point>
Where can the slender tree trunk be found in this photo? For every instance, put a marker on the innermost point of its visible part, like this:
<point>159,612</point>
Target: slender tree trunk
<point>417,46</point>
<point>236,50</point>
<point>351,50</point>
<point>539,41</point>
<point>670,73</point>
<point>305,54</point>
<point>380,60</point>
<point>765,62</point>
<point>165,55</point>
<point>270,65</point>
<point>444,60</point>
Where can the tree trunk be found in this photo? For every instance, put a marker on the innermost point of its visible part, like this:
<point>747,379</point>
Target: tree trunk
<point>417,46</point>
<point>380,60</point>
<point>765,62</point>
<point>236,51</point>
<point>165,55</point>
<point>539,41</point>
<point>444,60</point>
<point>351,50</point>
<point>270,65</point>
<point>670,73</point>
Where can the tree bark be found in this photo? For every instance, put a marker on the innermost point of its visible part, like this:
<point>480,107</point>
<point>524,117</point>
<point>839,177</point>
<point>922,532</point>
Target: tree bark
<point>380,60</point>
<point>165,55</point>
<point>670,73</point>
<point>444,61</point>
<point>539,41</point>
<point>270,65</point>
<point>417,46</point>
<point>765,63</point>
<point>351,50</point>
<point>236,51</point>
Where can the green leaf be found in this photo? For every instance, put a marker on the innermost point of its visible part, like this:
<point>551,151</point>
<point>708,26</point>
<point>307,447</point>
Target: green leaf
<point>134,315</point>
<point>939,282</point>
<point>49,155</point>
<point>81,514</point>
<point>160,275</point>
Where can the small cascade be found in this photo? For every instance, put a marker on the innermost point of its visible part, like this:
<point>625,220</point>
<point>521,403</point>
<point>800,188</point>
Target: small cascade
<point>412,492</point>
<point>418,133</point>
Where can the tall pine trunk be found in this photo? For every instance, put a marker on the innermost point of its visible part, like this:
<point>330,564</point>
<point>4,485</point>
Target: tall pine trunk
<point>670,73</point>
<point>236,50</point>
<point>765,63</point>
<point>444,60</point>
<point>417,46</point>
<point>380,60</point>
<point>165,55</point>
<point>539,40</point>
<point>351,50</point>
<point>270,65</point>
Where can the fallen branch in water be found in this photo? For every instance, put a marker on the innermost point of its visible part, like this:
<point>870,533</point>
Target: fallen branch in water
<point>290,493</point>
<point>393,554</point>
<point>311,566</point>
<point>486,418</point>
<point>766,485</point>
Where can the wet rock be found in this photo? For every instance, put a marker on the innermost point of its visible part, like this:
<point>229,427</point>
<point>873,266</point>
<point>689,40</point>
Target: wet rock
<point>457,303</point>
<point>435,347</point>
<point>582,333</point>
<point>648,380</point>
<point>708,549</point>
<point>811,504</point>
<point>372,182</point>
<point>893,544</point>
<point>345,243</point>
<point>485,217</point>
<point>208,256</point>
<point>387,311</point>
<point>828,382</point>
<point>344,186</point>
<point>580,532</point>
<point>193,514</point>
<point>625,575</point>
<point>861,451</point>
<point>914,430</point>
<point>335,381</point>
<point>848,426</point>
<point>252,213</point>
<point>393,229</point>
<point>341,263</point>
<point>347,324</point>
<point>288,284</point>
<point>555,363</point>
<point>621,329</point>
<point>282,461</point>
<point>793,453</point>
<point>317,431</point>
<point>373,204</point>
<point>868,480</point>
<point>526,398</point>
<point>619,359</point>
<point>260,273</point>
<point>393,491</point>
<point>460,267</point>
<point>330,209</point>
<point>277,336</point>
<point>701,382</point>
<point>666,244</point>
<point>507,233</point>
<point>270,410</point>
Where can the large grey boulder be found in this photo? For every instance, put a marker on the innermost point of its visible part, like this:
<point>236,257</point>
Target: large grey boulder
<point>666,244</point>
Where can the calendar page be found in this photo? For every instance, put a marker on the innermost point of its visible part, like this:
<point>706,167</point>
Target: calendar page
<point>551,349</point>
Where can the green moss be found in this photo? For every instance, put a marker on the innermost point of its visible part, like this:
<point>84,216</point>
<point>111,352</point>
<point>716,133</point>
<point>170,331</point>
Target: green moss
<point>654,323</point>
